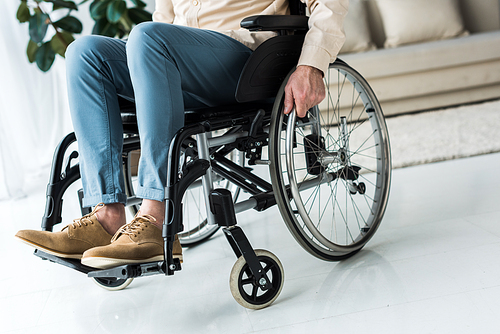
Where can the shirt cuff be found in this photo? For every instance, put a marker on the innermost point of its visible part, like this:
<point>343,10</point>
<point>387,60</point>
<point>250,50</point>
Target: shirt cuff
<point>316,57</point>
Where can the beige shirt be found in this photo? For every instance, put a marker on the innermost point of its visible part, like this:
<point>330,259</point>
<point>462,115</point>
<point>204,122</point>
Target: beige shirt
<point>322,43</point>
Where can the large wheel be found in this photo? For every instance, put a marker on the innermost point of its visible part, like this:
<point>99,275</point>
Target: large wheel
<point>331,170</point>
<point>245,288</point>
<point>196,228</point>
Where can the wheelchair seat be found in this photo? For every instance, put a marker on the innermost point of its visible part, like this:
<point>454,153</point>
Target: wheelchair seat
<point>129,118</point>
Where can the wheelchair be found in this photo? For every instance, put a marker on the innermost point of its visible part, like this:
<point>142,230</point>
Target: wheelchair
<point>330,172</point>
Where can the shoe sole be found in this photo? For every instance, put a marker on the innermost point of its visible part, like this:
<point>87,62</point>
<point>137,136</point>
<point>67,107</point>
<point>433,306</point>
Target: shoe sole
<point>49,251</point>
<point>106,263</point>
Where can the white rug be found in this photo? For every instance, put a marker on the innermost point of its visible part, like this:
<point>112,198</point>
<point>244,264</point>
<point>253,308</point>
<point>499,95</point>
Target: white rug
<point>445,134</point>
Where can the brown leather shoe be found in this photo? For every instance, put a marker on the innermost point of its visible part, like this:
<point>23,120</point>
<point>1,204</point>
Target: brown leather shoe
<point>73,240</point>
<point>137,242</point>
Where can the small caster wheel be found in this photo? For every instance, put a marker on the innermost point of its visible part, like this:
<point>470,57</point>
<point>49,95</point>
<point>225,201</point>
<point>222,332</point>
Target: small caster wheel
<point>112,284</point>
<point>246,290</point>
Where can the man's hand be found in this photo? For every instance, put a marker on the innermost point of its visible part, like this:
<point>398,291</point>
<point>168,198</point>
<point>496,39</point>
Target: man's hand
<point>305,89</point>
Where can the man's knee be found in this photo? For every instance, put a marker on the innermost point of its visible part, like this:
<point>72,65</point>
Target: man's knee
<point>85,45</point>
<point>91,50</point>
<point>149,36</point>
<point>144,34</point>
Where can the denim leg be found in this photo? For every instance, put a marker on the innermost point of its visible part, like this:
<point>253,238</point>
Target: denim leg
<point>96,72</point>
<point>173,68</point>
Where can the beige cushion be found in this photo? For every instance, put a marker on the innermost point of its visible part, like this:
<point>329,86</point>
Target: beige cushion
<point>356,29</point>
<point>413,21</point>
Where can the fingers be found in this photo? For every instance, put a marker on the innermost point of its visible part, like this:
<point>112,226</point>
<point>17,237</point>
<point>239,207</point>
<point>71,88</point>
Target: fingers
<point>304,89</point>
<point>288,99</point>
<point>297,99</point>
<point>301,107</point>
<point>301,100</point>
<point>295,96</point>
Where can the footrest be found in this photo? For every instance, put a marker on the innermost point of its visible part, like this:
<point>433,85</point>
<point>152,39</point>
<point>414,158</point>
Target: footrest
<point>134,270</point>
<point>70,263</point>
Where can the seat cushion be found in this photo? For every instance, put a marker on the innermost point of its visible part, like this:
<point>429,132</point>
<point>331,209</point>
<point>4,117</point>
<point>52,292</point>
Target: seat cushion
<point>129,118</point>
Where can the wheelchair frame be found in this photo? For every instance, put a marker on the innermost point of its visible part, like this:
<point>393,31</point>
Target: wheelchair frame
<point>178,180</point>
<point>248,132</point>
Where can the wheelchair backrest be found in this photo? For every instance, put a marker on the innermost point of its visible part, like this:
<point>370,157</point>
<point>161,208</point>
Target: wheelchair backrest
<point>267,68</point>
<point>270,63</point>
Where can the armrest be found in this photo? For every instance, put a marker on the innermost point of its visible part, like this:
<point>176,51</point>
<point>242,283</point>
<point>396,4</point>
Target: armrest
<point>275,22</point>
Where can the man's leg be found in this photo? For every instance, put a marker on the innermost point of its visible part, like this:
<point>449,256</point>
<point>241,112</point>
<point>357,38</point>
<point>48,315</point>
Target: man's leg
<point>97,71</point>
<point>172,68</point>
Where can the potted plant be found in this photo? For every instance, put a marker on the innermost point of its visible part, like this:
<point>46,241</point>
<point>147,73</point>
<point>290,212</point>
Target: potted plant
<point>113,18</point>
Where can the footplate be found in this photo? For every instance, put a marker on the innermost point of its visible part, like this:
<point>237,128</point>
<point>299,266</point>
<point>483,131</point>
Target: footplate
<point>70,263</point>
<point>120,272</point>
<point>135,270</point>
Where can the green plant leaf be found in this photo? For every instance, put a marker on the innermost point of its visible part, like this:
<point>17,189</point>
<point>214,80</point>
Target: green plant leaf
<point>125,25</point>
<point>122,32</point>
<point>70,23</point>
<point>139,3</point>
<point>38,24</point>
<point>98,9</point>
<point>31,51</point>
<point>63,4</point>
<point>45,57</point>
<point>105,28</point>
<point>138,15</point>
<point>115,10</point>
<point>60,42</point>
<point>23,12</point>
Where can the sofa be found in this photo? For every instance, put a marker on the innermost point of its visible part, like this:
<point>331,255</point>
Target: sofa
<point>425,54</point>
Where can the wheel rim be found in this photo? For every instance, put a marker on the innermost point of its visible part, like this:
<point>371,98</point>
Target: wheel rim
<point>327,216</point>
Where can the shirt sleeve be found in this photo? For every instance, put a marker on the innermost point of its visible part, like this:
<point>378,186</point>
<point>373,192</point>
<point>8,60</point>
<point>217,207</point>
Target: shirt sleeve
<point>164,11</point>
<point>326,33</point>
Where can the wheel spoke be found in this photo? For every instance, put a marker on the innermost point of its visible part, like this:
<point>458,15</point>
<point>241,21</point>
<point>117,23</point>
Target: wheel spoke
<point>255,290</point>
<point>246,281</point>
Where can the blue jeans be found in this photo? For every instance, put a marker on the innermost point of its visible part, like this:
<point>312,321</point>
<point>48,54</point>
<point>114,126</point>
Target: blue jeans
<point>165,69</point>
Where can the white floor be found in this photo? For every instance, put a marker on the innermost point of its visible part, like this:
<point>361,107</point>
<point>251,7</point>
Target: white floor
<point>433,267</point>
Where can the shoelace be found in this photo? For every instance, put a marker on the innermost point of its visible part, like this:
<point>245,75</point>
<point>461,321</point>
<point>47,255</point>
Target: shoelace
<point>133,227</point>
<point>85,220</point>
